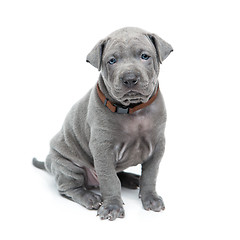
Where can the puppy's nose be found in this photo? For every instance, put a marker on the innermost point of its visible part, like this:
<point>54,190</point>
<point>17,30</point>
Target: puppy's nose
<point>130,79</point>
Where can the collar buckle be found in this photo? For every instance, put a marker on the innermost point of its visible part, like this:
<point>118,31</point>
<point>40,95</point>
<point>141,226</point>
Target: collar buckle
<point>121,110</point>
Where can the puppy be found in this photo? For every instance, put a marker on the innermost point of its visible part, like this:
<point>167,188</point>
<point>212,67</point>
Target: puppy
<point>119,123</point>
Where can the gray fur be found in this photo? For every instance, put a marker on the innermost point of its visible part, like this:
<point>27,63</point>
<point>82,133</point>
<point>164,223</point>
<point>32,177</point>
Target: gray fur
<point>38,164</point>
<point>95,145</point>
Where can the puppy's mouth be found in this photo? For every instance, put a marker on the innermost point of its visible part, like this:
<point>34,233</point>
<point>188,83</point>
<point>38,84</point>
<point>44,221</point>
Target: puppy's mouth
<point>133,97</point>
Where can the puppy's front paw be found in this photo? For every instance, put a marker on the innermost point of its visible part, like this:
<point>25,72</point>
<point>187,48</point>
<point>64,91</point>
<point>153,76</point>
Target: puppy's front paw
<point>111,210</point>
<point>152,201</point>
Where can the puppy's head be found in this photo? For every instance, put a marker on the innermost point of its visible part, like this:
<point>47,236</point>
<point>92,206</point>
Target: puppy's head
<point>129,60</point>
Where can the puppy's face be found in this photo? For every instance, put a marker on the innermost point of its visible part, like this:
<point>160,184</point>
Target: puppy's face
<point>130,69</point>
<point>129,60</point>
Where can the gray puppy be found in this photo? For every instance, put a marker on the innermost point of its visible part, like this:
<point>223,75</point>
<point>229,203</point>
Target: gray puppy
<point>119,123</point>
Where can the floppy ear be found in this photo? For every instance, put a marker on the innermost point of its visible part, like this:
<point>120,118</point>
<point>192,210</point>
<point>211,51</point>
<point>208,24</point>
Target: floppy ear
<point>163,48</point>
<point>95,56</point>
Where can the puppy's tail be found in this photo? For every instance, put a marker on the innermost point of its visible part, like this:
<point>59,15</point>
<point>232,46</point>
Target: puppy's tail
<point>38,164</point>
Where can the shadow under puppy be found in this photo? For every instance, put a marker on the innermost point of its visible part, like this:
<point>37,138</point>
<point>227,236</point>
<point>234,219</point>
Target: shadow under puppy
<point>119,123</point>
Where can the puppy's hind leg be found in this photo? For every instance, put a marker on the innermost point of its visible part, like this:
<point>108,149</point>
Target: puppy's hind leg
<point>70,180</point>
<point>71,189</point>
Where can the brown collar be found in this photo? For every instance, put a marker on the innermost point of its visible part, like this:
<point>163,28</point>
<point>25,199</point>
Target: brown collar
<point>121,110</point>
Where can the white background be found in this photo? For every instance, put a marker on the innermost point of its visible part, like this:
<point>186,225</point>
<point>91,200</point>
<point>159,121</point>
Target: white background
<point>43,47</point>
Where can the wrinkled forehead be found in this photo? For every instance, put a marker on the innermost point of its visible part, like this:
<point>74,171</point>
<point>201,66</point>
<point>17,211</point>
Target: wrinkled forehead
<point>128,44</point>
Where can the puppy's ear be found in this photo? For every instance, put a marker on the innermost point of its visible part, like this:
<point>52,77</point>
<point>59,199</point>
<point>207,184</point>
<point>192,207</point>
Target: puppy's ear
<point>95,56</point>
<point>163,48</point>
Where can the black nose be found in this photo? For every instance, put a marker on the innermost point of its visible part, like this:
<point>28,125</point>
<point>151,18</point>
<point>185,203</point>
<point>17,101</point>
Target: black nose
<point>130,79</point>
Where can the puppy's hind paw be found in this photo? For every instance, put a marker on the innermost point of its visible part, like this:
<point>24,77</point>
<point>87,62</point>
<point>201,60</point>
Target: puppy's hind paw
<point>129,180</point>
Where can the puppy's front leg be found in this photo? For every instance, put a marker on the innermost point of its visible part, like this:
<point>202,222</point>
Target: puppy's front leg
<point>148,194</point>
<point>109,182</point>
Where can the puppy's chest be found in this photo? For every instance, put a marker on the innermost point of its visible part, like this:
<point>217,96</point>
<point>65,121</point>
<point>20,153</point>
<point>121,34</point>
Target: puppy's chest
<point>135,142</point>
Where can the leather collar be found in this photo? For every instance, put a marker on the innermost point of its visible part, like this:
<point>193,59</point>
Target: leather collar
<point>115,108</point>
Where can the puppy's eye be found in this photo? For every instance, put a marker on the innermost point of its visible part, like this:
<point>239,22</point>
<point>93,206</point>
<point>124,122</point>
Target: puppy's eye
<point>145,56</point>
<point>112,61</point>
